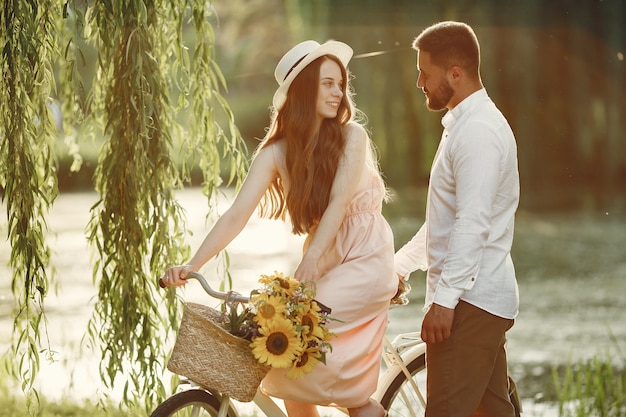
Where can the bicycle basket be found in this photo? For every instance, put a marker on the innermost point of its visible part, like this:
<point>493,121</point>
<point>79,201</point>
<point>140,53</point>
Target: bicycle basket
<point>212,357</point>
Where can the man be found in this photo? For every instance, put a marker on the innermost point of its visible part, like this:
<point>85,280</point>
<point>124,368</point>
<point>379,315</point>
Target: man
<point>465,242</point>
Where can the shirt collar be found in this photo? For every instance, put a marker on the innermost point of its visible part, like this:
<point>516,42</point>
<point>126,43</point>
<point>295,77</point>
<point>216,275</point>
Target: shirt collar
<point>450,118</point>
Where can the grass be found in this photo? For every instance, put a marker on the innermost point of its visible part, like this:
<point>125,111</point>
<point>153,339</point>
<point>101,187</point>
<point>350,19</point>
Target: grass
<point>591,388</point>
<point>10,407</point>
<point>14,404</point>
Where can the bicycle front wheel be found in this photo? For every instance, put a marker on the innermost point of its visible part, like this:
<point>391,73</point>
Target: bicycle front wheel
<point>407,396</point>
<point>191,403</point>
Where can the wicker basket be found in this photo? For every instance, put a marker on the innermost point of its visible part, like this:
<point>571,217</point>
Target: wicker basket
<point>212,357</point>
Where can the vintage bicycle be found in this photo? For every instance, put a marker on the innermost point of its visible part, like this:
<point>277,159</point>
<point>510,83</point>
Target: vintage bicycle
<point>401,387</point>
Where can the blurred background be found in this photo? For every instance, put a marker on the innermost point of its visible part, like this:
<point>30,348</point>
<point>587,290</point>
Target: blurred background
<point>556,70</point>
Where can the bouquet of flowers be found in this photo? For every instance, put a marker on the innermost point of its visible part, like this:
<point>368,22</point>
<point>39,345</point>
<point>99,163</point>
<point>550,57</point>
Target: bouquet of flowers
<point>285,325</point>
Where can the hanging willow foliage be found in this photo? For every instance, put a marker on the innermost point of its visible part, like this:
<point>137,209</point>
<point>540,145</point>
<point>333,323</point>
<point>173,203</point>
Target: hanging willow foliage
<point>27,171</point>
<point>205,84</point>
<point>136,177</point>
<point>136,227</point>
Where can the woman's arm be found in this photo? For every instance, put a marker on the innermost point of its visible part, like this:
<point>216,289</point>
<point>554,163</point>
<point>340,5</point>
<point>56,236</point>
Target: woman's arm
<point>262,172</point>
<point>347,178</point>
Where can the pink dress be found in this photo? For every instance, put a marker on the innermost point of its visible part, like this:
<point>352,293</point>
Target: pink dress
<point>357,281</point>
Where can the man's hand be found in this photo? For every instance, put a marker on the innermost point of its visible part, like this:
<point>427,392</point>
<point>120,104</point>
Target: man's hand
<point>437,324</point>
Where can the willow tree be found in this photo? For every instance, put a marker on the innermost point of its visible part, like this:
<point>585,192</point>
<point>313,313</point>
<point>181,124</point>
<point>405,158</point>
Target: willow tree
<point>144,76</point>
<point>27,169</point>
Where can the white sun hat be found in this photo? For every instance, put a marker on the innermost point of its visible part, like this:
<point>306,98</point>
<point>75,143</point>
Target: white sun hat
<point>298,57</point>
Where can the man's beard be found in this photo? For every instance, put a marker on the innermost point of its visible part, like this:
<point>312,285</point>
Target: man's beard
<point>440,98</point>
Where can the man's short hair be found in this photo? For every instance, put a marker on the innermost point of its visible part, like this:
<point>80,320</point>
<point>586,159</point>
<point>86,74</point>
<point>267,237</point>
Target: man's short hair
<point>451,43</point>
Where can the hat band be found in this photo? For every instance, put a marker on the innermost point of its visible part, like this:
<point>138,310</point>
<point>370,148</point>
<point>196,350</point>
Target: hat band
<point>293,66</point>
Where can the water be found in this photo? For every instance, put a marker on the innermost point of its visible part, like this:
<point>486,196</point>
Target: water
<point>265,246</point>
<point>560,320</point>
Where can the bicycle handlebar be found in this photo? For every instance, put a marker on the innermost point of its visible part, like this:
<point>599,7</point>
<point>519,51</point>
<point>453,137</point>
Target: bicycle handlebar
<point>229,297</point>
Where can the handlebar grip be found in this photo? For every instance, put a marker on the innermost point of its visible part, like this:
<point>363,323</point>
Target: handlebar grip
<point>229,296</point>
<point>162,283</point>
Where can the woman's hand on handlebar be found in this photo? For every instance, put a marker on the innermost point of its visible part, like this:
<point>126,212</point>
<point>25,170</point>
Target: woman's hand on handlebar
<point>175,276</point>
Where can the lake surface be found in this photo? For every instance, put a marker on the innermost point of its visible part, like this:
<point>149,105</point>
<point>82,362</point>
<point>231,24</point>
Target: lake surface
<point>562,318</point>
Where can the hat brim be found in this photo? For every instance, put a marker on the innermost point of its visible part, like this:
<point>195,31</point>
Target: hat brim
<point>339,49</point>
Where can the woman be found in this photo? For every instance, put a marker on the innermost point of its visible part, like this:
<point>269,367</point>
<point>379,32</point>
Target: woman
<point>316,166</point>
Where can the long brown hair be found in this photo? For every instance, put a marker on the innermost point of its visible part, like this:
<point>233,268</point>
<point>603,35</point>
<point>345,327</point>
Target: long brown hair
<point>311,156</point>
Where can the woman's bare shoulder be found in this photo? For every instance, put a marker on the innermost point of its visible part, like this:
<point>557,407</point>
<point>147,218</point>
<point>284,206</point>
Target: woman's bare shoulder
<point>354,128</point>
<point>277,146</point>
<point>355,133</point>
<point>271,154</point>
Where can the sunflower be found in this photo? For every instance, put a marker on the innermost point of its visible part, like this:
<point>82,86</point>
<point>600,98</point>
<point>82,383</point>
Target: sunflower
<point>267,279</point>
<point>269,307</point>
<point>278,344</point>
<point>310,322</point>
<point>280,284</point>
<point>307,362</point>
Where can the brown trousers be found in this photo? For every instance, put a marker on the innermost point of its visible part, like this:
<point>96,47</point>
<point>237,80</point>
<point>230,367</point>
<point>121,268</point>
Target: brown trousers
<point>467,373</point>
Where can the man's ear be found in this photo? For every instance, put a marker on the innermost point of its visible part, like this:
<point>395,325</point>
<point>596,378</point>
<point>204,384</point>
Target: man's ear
<point>455,73</point>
